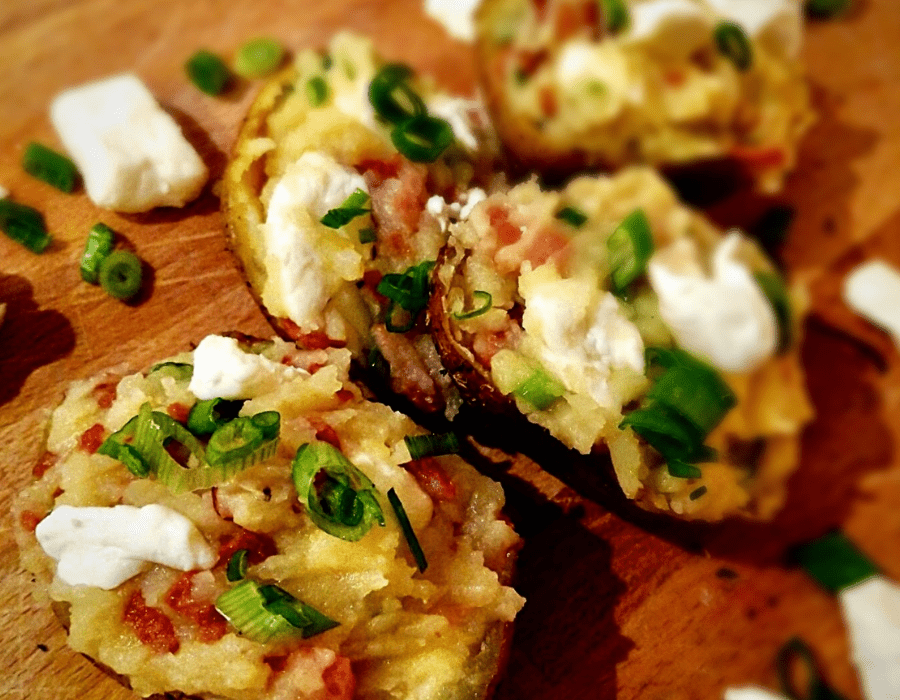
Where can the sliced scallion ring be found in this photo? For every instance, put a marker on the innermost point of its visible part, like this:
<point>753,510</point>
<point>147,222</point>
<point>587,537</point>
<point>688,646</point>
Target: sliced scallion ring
<point>236,569</point>
<point>422,138</point>
<point>615,15</point>
<point>352,207</point>
<point>408,532</point>
<point>431,445</point>
<point>732,42</point>
<point>317,91</point>
<point>392,97</point>
<point>539,389</point>
<point>816,687</point>
<point>24,225</point>
<point>234,441</point>
<point>182,371</point>
<point>826,9</point>
<point>339,498</point>
<point>630,247</point>
<point>115,446</point>
<point>51,167</point>
<point>269,422</point>
<point>99,245</point>
<point>486,302</point>
<point>367,235</point>
<point>208,72</point>
<point>572,216</point>
<point>259,57</point>
<point>835,562</point>
<point>773,286</point>
<point>121,274</point>
<point>210,414</point>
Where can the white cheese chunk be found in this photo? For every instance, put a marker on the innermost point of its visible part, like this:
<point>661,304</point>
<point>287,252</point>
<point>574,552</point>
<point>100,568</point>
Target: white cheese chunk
<point>873,290</point>
<point>451,212</point>
<point>673,27</point>
<point>871,612</point>
<point>726,318</point>
<point>222,370</point>
<point>468,119</point>
<point>751,692</point>
<point>301,279</point>
<point>103,547</point>
<point>581,332</point>
<point>778,23</point>
<point>131,153</point>
<point>457,16</point>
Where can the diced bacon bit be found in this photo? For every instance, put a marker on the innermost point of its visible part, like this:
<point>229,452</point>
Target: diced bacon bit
<point>29,520</point>
<point>178,411</point>
<point>759,158</point>
<point>311,340</point>
<point>344,395</point>
<point>540,8</point>
<point>325,433</point>
<point>397,205</point>
<point>181,597</point>
<point>507,234</point>
<point>377,171</point>
<point>574,18</point>
<point>486,345</point>
<point>547,97</point>
<point>528,62</point>
<point>47,460</point>
<point>371,278</point>
<point>432,478</point>
<point>105,393</point>
<point>675,77</point>
<point>295,680</point>
<point>151,625</point>
<point>409,373</point>
<point>259,546</point>
<point>92,438</point>
<point>276,663</point>
<point>340,683</point>
<point>549,243</point>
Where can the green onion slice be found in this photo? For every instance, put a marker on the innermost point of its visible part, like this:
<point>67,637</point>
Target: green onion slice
<point>773,286</point>
<point>732,42</point>
<point>236,569</point>
<point>432,444</point>
<point>51,167</point>
<point>393,99</point>
<point>24,225</point>
<point>367,235</point>
<point>259,57</point>
<point>816,688</point>
<point>208,415</point>
<point>99,245</point>
<point>352,207</point>
<point>539,389</point>
<point>835,562</point>
<point>409,290</point>
<point>615,15</point>
<point>572,216</point>
<point>115,446</point>
<point>339,498</point>
<point>422,138</point>
<point>485,306</point>
<point>265,613</point>
<point>698,493</point>
<point>408,532</point>
<point>317,91</point>
<point>826,9</point>
<point>269,422</point>
<point>208,72</point>
<point>181,371</point>
<point>234,441</point>
<point>630,247</point>
<point>121,274</point>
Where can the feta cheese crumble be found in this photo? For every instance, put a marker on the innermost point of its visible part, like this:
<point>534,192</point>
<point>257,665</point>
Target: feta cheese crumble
<point>131,153</point>
<point>751,692</point>
<point>725,318</point>
<point>106,546</point>
<point>457,16</point>
<point>873,291</point>
<point>222,370</point>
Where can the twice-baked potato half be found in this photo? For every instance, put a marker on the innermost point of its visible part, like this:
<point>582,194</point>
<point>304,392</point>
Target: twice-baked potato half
<point>337,199</point>
<point>239,522</point>
<point>671,83</point>
<point>624,322</point>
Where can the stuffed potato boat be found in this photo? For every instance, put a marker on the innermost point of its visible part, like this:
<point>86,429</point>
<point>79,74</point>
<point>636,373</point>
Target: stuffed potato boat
<point>239,522</point>
<point>671,83</point>
<point>618,319</point>
<point>344,177</point>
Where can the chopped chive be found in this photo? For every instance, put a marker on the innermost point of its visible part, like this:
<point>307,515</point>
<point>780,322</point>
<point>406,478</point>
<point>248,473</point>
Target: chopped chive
<point>572,216</point>
<point>816,687</point>
<point>99,245</point>
<point>835,562</point>
<point>208,72</point>
<point>236,570</point>
<point>367,235</point>
<point>259,57</point>
<point>732,42</point>
<point>51,167</point>
<point>316,91</point>
<point>615,15</point>
<point>24,225</point>
<point>408,531</point>
<point>120,274</point>
<point>431,445</point>
<point>486,303</point>
<point>826,9</point>
<point>697,493</point>
<point>539,389</point>
<point>422,138</point>
<point>630,247</point>
<point>409,290</point>
<point>349,210</point>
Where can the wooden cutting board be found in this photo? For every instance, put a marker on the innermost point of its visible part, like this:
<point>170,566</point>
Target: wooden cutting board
<point>614,609</point>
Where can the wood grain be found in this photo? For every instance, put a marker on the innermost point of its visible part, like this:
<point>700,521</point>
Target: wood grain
<point>616,609</point>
